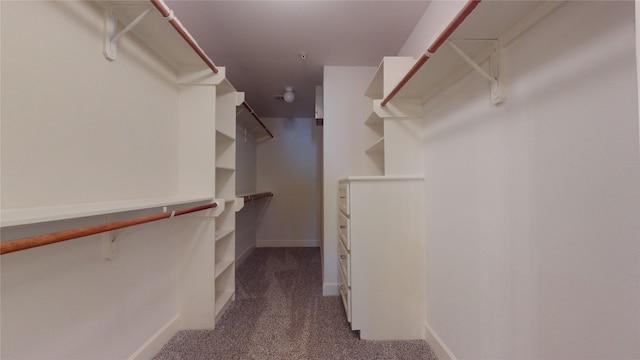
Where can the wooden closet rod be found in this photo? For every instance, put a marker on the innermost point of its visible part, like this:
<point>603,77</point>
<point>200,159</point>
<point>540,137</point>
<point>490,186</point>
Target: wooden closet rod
<point>444,35</point>
<point>168,14</point>
<point>46,239</point>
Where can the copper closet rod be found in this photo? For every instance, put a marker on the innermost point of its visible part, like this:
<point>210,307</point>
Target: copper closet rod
<point>168,14</point>
<point>46,239</point>
<point>453,25</point>
<point>244,103</point>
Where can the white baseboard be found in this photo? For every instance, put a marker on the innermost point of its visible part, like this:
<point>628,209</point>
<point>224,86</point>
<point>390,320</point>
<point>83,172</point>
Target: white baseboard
<point>287,243</point>
<point>437,345</point>
<point>152,346</point>
<point>330,289</point>
<point>244,255</point>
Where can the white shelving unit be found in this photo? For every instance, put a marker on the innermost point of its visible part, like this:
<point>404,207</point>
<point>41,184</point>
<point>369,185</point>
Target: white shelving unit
<point>393,134</point>
<point>192,158</point>
<point>227,100</point>
<point>374,145</point>
<point>195,184</point>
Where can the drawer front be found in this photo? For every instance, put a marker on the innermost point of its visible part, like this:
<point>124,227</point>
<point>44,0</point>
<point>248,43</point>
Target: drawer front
<point>343,229</point>
<point>343,197</point>
<point>344,259</point>
<point>345,294</point>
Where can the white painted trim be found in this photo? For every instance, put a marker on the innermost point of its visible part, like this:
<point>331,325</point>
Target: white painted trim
<point>437,345</point>
<point>152,346</point>
<point>330,289</point>
<point>287,243</point>
<point>244,255</point>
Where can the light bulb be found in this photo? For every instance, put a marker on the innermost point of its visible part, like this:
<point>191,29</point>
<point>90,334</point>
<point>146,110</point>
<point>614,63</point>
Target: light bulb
<point>288,96</point>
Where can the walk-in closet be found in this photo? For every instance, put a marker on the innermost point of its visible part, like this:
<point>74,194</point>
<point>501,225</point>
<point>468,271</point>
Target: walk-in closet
<point>319,179</point>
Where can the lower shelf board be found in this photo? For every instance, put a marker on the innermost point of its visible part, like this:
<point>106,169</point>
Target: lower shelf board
<point>220,234</point>
<point>221,266</point>
<point>223,300</point>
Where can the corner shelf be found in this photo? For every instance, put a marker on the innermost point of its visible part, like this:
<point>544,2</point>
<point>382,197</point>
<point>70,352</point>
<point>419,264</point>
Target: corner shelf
<point>373,139</point>
<point>377,147</point>
<point>222,233</point>
<point>222,266</point>
<point>223,299</point>
<point>224,136</point>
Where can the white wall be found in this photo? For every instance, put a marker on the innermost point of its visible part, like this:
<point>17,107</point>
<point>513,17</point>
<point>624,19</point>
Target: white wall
<point>77,128</point>
<point>345,109</point>
<point>290,167</point>
<point>246,182</point>
<point>65,301</point>
<point>61,81</point>
<point>533,206</point>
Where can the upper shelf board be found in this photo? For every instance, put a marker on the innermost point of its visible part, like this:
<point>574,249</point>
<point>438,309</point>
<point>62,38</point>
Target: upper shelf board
<point>489,21</point>
<point>155,31</point>
<point>26,216</point>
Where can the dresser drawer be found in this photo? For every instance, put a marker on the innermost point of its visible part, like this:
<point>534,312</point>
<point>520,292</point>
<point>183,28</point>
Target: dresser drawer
<point>344,259</point>
<point>343,197</point>
<point>343,229</point>
<point>345,294</point>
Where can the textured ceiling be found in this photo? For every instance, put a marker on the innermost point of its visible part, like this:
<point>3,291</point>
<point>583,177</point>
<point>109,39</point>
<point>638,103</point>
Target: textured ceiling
<point>259,42</point>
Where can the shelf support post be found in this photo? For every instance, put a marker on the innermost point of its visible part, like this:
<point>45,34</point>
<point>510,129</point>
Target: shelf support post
<point>110,38</point>
<point>495,64</point>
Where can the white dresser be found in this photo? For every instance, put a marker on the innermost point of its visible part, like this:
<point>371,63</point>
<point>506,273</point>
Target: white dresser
<point>382,276</point>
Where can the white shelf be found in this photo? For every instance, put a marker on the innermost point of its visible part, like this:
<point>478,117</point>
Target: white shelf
<point>220,234</point>
<point>224,136</point>
<point>223,299</point>
<point>222,266</point>
<point>381,178</point>
<point>377,147</point>
<point>14,217</point>
<point>250,196</point>
<point>155,31</point>
<point>374,120</point>
<point>252,124</point>
<point>489,20</point>
<point>225,168</point>
<point>374,145</point>
<point>389,72</point>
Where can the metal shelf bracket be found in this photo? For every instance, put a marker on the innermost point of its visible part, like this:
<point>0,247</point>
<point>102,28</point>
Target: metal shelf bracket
<point>498,93</point>
<point>111,38</point>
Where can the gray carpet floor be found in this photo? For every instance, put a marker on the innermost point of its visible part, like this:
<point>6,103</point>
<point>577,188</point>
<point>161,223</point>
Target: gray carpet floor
<point>280,313</point>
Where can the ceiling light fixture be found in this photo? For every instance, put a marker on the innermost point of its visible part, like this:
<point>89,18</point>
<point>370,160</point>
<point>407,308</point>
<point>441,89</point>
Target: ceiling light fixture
<point>288,95</point>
